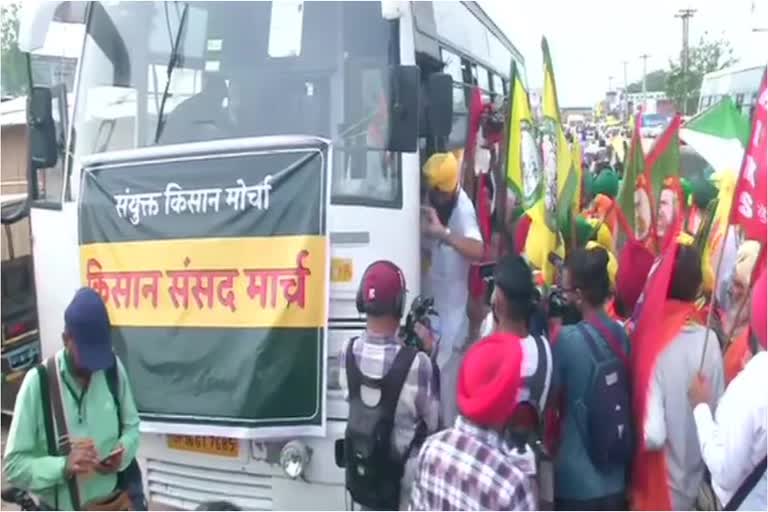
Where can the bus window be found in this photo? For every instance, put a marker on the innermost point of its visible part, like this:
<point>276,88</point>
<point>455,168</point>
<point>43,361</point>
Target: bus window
<point>362,174</point>
<point>458,136</point>
<point>498,84</point>
<point>470,72</point>
<point>483,81</point>
<point>233,79</point>
<point>452,65</point>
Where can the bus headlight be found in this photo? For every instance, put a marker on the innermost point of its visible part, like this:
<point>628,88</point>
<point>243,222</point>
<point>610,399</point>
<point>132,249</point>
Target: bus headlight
<point>294,458</point>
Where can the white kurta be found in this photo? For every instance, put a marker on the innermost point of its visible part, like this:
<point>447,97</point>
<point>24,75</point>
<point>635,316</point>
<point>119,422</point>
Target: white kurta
<point>446,278</point>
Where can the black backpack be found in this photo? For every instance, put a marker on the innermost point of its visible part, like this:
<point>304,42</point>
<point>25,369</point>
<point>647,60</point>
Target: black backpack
<point>609,430</point>
<point>373,472</point>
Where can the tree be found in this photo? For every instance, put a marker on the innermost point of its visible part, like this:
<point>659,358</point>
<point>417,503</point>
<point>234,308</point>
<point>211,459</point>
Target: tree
<point>654,81</point>
<point>13,73</point>
<point>705,57</point>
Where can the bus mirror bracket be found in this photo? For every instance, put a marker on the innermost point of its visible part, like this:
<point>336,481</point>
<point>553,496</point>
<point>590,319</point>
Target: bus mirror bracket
<point>403,109</point>
<point>42,129</point>
<point>440,108</point>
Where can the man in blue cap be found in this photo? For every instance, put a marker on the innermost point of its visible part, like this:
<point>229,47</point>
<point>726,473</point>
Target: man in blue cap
<point>102,440</point>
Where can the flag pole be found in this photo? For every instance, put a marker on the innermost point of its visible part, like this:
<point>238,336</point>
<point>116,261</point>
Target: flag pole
<point>713,295</point>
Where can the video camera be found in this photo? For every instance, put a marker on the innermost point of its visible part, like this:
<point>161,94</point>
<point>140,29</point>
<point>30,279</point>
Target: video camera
<point>421,310</point>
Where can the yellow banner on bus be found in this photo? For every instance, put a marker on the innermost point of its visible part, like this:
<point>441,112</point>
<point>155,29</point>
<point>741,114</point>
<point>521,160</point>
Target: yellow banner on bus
<point>277,281</point>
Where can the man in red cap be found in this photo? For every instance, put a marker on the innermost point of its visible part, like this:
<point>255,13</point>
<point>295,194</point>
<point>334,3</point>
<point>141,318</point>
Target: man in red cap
<point>389,387</point>
<point>468,466</point>
<point>733,445</point>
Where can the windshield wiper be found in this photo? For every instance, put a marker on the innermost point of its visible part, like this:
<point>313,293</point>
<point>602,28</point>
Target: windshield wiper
<point>172,62</point>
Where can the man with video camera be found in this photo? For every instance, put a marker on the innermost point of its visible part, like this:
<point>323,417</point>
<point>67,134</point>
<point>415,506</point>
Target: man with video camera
<point>393,394</point>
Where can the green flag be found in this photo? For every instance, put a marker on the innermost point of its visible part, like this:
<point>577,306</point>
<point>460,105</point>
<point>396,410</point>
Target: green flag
<point>719,135</point>
<point>634,164</point>
<point>663,160</point>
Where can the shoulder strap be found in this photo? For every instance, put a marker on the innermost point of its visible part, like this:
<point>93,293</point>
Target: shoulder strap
<point>610,338</point>
<point>50,435</point>
<point>393,381</point>
<point>45,400</point>
<point>113,383</point>
<point>596,353</point>
<point>543,375</point>
<point>747,485</point>
<point>63,441</point>
<point>354,375</point>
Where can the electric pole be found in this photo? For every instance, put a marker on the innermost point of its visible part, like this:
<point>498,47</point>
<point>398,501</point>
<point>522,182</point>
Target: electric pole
<point>610,83</point>
<point>645,72</point>
<point>685,15</point>
<point>626,92</point>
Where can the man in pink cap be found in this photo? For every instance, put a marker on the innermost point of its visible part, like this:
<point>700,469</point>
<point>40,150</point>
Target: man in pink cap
<point>468,466</point>
<point>733,444</point>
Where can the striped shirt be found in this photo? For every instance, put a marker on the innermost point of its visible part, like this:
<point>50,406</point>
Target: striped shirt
<point>467,467</point>
<point>419,398</point>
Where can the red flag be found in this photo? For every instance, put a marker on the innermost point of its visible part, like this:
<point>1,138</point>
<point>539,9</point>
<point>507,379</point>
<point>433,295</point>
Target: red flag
<point>478,185</point>
<point>749,206</point>
<point>655,323</point>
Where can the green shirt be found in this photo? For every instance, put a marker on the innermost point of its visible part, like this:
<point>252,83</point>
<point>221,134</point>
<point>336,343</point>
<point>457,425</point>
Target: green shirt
<point>27,464</point>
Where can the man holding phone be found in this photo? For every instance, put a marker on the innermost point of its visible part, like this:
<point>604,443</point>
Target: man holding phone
<point>80,398</point>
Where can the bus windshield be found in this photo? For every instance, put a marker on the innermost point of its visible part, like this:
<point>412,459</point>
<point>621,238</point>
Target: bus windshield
<point>157,73</point>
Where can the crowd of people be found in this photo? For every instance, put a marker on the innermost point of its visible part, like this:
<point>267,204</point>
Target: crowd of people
<point>632,380</point>
<point>557,399</point>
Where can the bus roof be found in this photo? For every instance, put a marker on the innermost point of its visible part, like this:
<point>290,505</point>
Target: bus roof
<point>478,11</point>
<point>732,70</point>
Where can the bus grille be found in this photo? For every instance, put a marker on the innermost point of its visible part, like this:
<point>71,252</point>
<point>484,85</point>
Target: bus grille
<point>184,486</point>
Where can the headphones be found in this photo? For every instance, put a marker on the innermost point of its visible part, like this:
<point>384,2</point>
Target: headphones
<point>397,307</point>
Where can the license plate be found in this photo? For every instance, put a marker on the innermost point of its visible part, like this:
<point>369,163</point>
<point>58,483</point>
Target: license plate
<point>341,270</point>
<point>221,446</point>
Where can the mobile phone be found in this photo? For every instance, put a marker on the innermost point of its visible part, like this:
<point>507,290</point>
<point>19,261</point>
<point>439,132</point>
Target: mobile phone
<point>113,453</point>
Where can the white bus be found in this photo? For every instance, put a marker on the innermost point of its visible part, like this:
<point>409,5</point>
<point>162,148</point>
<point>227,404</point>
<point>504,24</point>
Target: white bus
<point>367,84</point>
<point>740,83</point>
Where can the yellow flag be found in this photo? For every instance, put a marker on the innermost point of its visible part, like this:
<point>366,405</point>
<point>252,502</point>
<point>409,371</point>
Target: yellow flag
<point>559,182</point>
<point>523,163</point>
<point>725,181</point>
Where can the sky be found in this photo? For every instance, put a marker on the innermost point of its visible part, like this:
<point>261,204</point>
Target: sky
<point>589,39</point>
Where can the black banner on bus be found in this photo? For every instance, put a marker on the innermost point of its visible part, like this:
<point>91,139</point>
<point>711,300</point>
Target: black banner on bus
<point>214,272</point>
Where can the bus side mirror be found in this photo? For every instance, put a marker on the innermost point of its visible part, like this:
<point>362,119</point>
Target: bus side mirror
<point>440,109</point>
<point>42,129</point>
<point>403,109</point>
